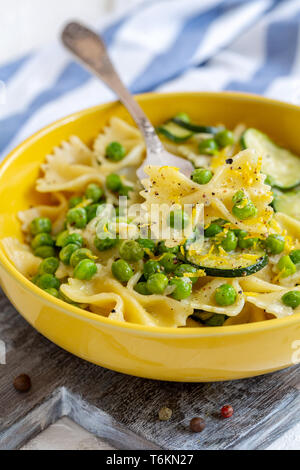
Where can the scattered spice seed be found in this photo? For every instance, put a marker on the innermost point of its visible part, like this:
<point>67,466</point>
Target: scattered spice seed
<point>229,161</point>
<point>165,414</point>
<point>22,383</point>
<point>197,425</point>
<point>227,411</point>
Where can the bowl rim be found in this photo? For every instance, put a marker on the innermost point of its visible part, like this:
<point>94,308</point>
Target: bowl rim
<point>98,320</point>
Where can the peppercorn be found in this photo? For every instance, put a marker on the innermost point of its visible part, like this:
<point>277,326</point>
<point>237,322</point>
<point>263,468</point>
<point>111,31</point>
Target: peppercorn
<point>227,411</point>
<point>22,383</point>
<point>197,425</point>
<point>165,414</point>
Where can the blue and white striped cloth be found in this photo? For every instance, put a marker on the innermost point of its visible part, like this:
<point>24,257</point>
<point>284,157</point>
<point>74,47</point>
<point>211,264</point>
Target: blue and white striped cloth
<point>165,45</point>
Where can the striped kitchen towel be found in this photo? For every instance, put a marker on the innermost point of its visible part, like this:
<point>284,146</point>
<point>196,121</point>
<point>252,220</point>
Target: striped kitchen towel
<point>166,45</point>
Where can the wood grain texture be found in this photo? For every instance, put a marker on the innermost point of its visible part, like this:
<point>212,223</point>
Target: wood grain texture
<point>123,410</point>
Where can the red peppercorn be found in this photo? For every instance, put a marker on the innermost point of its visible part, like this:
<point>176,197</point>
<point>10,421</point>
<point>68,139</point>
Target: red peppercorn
<point>197,425</point>
<point>227,411</point>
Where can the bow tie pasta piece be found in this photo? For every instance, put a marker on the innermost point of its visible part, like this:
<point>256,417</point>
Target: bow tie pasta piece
<point>21,256</point>
<point>151,310</point>
<point>71,167</point>
<point>166,185</point>
<point>243,173</point>
<point>203,299</point>
<point>287,225</point>
<point>272,302</point>
<point>55,213</point>
<point>126,135</point>
<point>255,284</point>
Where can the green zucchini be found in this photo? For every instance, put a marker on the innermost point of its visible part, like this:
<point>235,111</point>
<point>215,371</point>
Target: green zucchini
<point>209,319</point>
<point>196,128</point>
<point>281,165</point>
<point>239,263</point>
<point>288,203</point>
<point>174,132</point>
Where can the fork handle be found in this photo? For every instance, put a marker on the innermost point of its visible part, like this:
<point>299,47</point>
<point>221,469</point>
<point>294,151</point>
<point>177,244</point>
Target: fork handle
<point>89,48</point>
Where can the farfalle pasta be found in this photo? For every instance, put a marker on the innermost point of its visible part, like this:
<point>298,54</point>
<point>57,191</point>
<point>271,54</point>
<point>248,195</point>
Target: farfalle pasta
<point>221,247</point>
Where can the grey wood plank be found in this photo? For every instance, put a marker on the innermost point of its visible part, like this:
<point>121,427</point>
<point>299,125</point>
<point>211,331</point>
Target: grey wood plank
<point>123,410</point>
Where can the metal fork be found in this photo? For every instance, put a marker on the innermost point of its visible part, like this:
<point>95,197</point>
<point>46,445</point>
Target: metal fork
<point>89,49</point>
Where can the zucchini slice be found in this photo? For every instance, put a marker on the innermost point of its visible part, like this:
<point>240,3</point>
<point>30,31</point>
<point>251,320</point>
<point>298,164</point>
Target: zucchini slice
<point>280,164</point>
<point>239,263</point>
<point>288,203</point>
<point>195,128</point>
<point>174,132</point>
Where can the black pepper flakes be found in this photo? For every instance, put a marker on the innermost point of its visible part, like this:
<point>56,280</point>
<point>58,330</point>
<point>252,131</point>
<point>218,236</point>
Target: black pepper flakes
<point>229,161</point>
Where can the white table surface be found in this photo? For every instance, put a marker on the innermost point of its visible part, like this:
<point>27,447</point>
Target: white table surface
<point>23,26</point>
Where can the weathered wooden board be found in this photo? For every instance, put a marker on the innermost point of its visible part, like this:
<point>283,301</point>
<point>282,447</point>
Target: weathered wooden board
<point>123,410</point>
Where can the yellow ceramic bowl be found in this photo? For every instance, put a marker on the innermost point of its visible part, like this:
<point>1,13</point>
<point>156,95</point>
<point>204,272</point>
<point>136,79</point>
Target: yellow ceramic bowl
<point>195,355</point>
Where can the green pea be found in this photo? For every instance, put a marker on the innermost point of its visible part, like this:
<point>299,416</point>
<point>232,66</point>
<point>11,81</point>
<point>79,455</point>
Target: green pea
<point>202,176</point>
<point>75,201</point>
<point>291,299</point>
<point>94,192</point>
<point>178,219</point>
<point>35,279</point>
<point>225,295</point>
<point>212,230</point>
<point>53,292</point>
<point>286,266</point>
<point>42,239</point>
<point>113,182</point>
<point>186,268</point>
<point>238,196</point>
<point>183,288</point>
<point>66,253</point>
<point>40,225</point>
<point>215,320</point>
<point>44,252</point>
<point>208,147</point>
<point>77,217</point>
<point>244,210</point>
<point>122,271</point>
<point>147,244</point>
<point>229,243</point>
<point>85,270</point>
<point>70,238</point>
<point>125,190</point>
<point>295,256</point>
<point>244,242</point>
<point>157,283</point>
<point>169,262</point>
<point>48,281</point>
<point>162,248</point>
<point>48,266</point>
<point>184,117</point>
<point>275,244</point>
<point>105,243</point>
<point>91,211</point>
<point>115,152</point>
<point>60,240</point>
<point>119,212</point>
<point>151,267</point>
<point>131,251</point>
<point>141,288</point>
<point>79,255</point>
<point>224,138</point>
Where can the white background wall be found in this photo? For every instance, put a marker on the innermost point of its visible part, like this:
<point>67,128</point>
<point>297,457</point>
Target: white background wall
<point>26,24</point>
